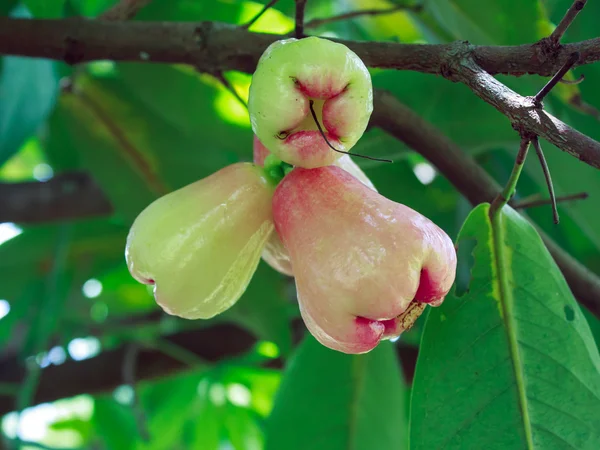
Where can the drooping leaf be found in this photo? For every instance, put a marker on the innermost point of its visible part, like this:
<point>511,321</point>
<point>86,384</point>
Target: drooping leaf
<point>512,363</point>
<point>333,401</point>
<point>28,90</point>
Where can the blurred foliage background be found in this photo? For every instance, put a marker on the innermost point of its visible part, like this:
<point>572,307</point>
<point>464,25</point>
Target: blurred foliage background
<point>143,130</point>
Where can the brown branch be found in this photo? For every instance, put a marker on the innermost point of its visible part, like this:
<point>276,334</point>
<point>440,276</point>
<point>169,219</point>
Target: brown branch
<point>566,21</point>
<point>579,104</point>
<point>558,76</point>
<point>213,47</point>
<point>124,10</point>
<point>523,112</point>
<point>299,28</point>
<point>102,373</point>
<point>526,204</point>
<point>65,197</point>
<point>216,46</point>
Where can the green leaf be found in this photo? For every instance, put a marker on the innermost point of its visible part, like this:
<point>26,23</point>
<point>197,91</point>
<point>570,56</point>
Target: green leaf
<point>114,424</point>
<point>512,363</point>
<point>6,6</point>
<point>497,23</point>
<point>330,400</point>
<point>46,9</point>
<point>28,90</point>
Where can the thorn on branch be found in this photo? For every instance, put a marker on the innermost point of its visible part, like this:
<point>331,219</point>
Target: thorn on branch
<point>361,13</point>
<point>566,21</point>
<point>225,82</point>
<point>260,14</point>
<point>539,97</point>
<point>299,30</point>
<point>546,170</point>
<point>542,202</point>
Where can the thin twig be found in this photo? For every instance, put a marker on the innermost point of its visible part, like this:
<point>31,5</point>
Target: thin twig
<point>573,58</point>
<point>546,170</point>
<point>511,185</point>
<point>178,353</point>
<point>578,103</point>
<point>525,204</point>
<point>566,21</point>
<point>574,82</point>
<point>225,82</point>
<point>299,29</point>
<point>124,10</point>
<point>129,377</point>
<point>314,116</point>
<point>259,15</point>
<point>314,23</point>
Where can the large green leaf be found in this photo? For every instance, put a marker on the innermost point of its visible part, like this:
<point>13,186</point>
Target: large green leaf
<point>511,363</point>
<point>28,89</point>
<point>330,400</point>
<point>497,23</point>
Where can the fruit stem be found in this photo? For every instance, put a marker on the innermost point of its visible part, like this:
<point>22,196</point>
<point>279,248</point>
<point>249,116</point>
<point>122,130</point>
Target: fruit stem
<point>314,116</point>
<point>509,190</point>
<point>275,169</point>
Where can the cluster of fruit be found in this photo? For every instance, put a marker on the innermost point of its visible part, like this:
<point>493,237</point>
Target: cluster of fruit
<point>364,265</point>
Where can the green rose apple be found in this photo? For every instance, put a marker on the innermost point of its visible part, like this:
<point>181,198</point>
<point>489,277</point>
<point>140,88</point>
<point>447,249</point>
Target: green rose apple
<point>200,245</point>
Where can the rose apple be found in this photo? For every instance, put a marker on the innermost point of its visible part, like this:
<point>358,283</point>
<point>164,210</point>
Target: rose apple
<point>275,254</point>
<point>292,72</point>
<point>359,259</point>
<point>200,245</point>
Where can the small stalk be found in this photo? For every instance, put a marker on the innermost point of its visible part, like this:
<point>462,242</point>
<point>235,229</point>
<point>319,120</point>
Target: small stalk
<point>509,190</point>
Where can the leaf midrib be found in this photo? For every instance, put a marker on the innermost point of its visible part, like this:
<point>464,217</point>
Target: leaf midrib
<point>503,272</point>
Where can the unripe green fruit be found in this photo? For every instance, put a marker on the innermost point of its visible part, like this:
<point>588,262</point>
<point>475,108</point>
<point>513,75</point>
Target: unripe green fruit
<point>292,72</point>
<point>200,245</point>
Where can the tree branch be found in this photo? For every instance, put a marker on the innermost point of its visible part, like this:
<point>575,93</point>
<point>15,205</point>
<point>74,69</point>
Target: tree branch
<point>66,196</point>
<point>216,46</point>
<point>213,47</point>
<point>221,46</point>
<point>102,373</point>
<point>523,112</point>
<point>566,21</point>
